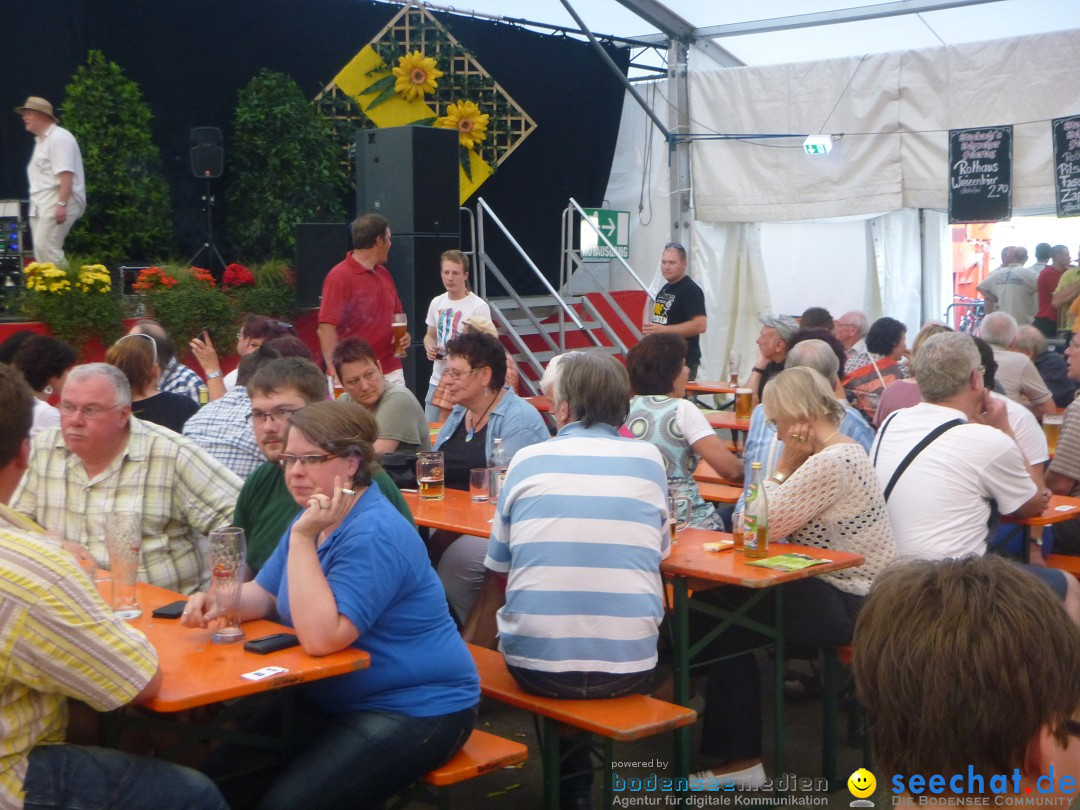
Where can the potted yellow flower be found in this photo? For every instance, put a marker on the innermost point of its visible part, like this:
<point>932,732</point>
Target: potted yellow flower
<point>76,306</point>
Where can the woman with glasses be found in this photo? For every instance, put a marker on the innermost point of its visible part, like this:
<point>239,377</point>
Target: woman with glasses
<point>659,414</point>
<point>136,356</point>
<point>484,410</point>
<point>351,572</point>
<point>824,493</point>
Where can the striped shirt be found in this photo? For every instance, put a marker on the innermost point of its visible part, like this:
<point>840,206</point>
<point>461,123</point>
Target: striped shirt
<point>58,639</point>
<point>581,529</point>
<point>180,490</point>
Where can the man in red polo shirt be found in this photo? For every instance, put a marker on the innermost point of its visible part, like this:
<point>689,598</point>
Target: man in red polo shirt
<point>359,298</point>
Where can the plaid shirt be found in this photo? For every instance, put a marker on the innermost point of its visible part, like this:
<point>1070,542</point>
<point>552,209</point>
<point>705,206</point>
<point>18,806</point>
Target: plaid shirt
<point>179,379</point>
<point>181,492</point>
<point>223,429</point>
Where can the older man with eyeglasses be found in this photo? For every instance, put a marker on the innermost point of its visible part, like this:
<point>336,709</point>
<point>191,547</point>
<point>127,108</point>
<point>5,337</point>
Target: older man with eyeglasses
<point>679,306</point>
<point>102,460</point>
<point>265,507</point>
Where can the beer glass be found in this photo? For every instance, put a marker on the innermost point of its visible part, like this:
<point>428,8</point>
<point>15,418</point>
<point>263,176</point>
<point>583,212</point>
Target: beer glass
<point>734,361</point>
<point>400,324</point>
<point>1051,426</point>
<point>123,543</point>
<point>228,553</point>
<point>744,403</point>
<point>429,475</point>
<point>737,527</point>
<point>676,525</point>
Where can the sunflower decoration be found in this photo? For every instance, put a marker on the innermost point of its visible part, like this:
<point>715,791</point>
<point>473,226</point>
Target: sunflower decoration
<point>467,119</point>
<point>416,76</point>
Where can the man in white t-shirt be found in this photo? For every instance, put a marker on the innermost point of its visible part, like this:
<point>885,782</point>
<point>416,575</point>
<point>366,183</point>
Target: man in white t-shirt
<point>940,506</point>
<point>57,180</point>
<point>1016,374</point>
<point>446,319</point>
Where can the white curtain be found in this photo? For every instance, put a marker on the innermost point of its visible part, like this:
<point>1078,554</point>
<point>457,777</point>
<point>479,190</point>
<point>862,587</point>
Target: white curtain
<point>894,243</point>
<point>733,280</point>
<point>894,110</point>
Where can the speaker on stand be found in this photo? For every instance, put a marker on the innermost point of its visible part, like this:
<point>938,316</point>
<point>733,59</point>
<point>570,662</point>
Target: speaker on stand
<point>207,163</point>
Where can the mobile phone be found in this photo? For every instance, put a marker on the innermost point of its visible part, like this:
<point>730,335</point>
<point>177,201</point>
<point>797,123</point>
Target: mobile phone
<point>171,610</point>
<point>207,332</point>
<point>272,643</point>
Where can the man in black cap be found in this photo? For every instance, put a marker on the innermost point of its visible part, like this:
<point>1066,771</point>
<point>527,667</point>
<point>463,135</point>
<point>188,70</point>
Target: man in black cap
<point>57,181</point>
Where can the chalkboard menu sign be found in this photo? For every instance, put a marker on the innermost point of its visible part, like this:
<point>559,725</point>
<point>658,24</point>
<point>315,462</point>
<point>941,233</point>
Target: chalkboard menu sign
<point>980,174</point>
<point>1067,165</point>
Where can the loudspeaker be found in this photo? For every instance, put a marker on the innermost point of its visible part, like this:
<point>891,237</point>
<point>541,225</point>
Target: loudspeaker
<point>410,176</point>
<point>414,265</point>
<point>207,154</point>
<point>319,246</point>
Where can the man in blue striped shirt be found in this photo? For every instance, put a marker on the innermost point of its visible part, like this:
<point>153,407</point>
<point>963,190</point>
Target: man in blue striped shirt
<point>580,532</point>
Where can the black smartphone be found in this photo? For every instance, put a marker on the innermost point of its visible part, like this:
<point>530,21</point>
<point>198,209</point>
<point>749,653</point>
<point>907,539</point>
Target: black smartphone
<point>273,643</point>
<point>205,333</point>
<point>171,610</point>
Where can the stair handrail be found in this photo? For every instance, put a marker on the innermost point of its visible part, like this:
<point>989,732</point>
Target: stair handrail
<point>614,251</point>
<point>483,208</point>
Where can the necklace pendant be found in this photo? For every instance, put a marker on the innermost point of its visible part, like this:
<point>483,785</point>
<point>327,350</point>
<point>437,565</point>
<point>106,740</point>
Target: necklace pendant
<point>469,435</point>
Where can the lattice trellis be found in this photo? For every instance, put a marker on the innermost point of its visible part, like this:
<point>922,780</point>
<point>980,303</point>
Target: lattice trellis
<point>345,103</point>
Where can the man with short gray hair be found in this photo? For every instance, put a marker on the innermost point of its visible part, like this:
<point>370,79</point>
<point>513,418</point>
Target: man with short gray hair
<point>851,329</point>
<point>102,460</point>
<point>950,465</point>
<point>562,506</point>
<point>1051,366</point>
<point>1016,374</point>
<point>1012,287</point>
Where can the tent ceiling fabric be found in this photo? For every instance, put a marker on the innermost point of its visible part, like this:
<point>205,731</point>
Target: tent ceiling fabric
<point>911,98</point>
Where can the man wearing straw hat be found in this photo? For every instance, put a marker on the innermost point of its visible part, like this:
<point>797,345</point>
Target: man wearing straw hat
<point>57,181</point>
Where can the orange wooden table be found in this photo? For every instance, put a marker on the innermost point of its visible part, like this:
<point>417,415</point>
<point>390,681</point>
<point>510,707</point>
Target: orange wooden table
<point>1060,509</point>
<point>710,387</point>
<point>540,402</point>
<point>719,493</point>
<point>726,420</point>
<point>690,566</point>
<point>197,672</point>
<point>705,474</point>
<point>456,512</point>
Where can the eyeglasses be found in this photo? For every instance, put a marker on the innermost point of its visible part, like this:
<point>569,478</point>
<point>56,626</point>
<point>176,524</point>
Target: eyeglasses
<point>454,374</point>
<point>285,461</point>
<point>676,245</point>
<point>88,411</point>
<point>276,415</point>
<point>153,343</point>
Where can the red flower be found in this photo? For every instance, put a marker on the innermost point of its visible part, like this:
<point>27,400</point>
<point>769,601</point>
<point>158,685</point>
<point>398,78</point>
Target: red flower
<point>236,275</point>
<point>203,275</point>
<point>153,278</point>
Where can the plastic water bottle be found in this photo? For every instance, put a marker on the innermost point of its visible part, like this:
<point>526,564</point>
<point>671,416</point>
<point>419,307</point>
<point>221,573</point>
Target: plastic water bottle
<point>497,464</point>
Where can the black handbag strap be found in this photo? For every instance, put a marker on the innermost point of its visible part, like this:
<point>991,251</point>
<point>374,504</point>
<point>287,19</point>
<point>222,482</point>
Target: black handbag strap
<point>910,457</point>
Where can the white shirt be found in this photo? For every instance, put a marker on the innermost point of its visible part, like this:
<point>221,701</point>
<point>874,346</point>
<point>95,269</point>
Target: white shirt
<point>940,506</point>
<point>448,318</point>
<point>1027,430</point>
<point>55,151</point>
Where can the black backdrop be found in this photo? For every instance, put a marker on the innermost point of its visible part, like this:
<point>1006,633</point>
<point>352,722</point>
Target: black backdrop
<point>190,58</point>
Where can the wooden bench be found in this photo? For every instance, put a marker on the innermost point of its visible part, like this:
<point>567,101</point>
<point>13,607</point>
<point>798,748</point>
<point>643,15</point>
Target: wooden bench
<point>623,719</point>
<point>481,754</point>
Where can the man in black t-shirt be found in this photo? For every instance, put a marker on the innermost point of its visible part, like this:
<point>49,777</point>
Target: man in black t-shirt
<point>679,307</point>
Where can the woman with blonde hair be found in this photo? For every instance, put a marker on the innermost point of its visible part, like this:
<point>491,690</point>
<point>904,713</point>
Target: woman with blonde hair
<point>824,493</point>
<point>136,356</point>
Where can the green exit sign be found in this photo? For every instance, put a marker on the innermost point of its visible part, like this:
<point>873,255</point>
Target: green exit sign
<point>615,225</point>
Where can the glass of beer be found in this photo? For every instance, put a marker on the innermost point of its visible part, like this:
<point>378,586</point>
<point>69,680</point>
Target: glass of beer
<point>744,403</point>
<point>400,325</point>
<point>228,553</point>
<point>737,529</point>
<point>734,360</point>
<point>675,502</point>
<point>429,475</point>
<point>1052,428</point>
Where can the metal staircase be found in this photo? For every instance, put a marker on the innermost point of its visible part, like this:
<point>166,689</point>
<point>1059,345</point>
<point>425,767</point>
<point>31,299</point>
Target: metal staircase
<point>538,327</point>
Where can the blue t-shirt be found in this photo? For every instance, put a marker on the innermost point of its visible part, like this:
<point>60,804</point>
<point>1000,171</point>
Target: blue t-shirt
<point>379,572</point>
